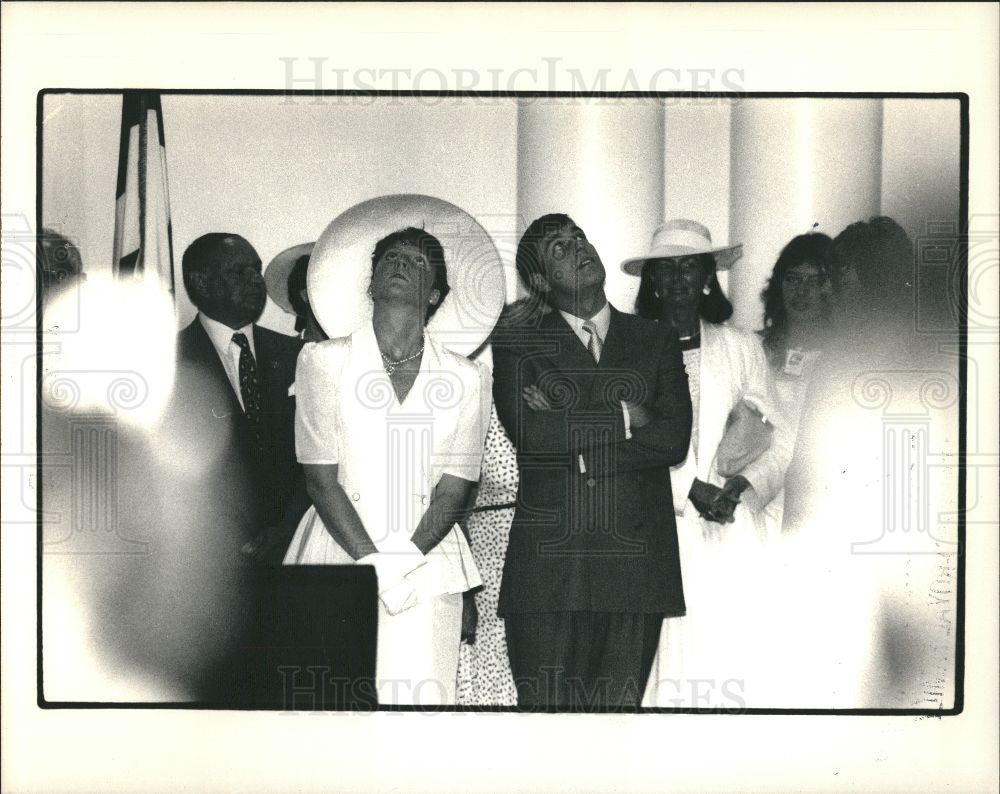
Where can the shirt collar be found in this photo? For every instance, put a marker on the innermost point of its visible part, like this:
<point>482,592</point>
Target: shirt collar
<point>221,334</point>
<point>602,320</point>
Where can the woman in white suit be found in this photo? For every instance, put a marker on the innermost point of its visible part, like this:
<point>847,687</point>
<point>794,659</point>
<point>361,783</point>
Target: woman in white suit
<point>389,427</point>
<point>704,657</point>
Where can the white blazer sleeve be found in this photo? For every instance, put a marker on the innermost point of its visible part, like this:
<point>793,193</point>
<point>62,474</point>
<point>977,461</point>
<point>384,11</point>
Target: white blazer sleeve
<point>466,455</point>
<point>317,394</point>
<point>766,474</point>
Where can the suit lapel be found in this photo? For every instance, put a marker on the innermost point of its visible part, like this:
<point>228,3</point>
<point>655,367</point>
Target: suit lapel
<point>266,362</point>
<point>568,352</point>
<point>618,349</point>
<point>197,349</point>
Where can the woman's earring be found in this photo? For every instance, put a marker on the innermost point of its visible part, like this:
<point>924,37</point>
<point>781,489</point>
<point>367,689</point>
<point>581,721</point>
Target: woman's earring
<point>656,293</point>
<point>706,290</point>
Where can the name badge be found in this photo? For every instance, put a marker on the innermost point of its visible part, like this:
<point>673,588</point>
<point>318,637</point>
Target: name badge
<point>794,359</point>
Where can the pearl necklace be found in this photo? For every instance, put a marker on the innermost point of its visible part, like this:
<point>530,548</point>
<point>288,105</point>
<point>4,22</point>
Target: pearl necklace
<point>390,365</point>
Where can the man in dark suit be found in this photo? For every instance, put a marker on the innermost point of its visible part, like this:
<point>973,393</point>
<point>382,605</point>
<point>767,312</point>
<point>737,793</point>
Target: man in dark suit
<point>234,377</point>
<point>597,404</point>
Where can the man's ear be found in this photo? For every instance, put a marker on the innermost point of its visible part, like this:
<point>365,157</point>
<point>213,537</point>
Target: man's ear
<point>539,283</point>
<point>435,297</point>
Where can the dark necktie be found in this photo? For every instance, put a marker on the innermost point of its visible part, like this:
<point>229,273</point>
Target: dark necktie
<point>249,387</point>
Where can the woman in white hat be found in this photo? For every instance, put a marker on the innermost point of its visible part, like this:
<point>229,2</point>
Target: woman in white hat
<point>390,425</point>
<point>285,279</point>
<point>717,519</point>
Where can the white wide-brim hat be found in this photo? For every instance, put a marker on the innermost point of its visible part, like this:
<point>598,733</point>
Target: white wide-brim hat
<point>683,237</point>
<point>341,266</point>
<point>276,275</point>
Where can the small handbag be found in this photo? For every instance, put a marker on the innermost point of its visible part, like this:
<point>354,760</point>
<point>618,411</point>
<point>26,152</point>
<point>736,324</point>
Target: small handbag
<point>747,436</point>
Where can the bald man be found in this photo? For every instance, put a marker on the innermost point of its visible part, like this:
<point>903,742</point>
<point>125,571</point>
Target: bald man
<point>234,377</point>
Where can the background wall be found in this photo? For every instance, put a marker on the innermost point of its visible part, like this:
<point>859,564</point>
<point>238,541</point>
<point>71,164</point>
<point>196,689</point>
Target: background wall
<point>920,166</point>
<point>696,168</point>
<point>79,171</point>
<point>278,170</point>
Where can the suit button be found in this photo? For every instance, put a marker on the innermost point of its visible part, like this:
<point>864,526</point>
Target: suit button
<point>355,496</point>
<point>591,482</point>
<point>423,500</point>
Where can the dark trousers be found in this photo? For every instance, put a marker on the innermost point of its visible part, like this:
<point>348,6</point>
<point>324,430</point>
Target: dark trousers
<point>581,659</point>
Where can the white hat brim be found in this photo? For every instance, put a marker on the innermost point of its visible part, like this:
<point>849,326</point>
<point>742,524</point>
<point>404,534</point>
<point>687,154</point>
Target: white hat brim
<point>725,256</point>
<point>341,265</point>
<point>276,275</point>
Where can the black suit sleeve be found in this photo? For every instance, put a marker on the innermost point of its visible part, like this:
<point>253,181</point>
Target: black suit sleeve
<point>663,441</point>
<point>515,366</point>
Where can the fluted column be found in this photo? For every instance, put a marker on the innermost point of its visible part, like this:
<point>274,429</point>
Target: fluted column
<point>796,162</point>
<point>601,162</point>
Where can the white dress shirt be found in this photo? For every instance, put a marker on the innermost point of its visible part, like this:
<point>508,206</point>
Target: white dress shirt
<point>602,321</point>
<point>229,352</point>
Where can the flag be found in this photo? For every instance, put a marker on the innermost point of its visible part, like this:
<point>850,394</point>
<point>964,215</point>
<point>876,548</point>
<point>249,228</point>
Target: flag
<point>143,249</point>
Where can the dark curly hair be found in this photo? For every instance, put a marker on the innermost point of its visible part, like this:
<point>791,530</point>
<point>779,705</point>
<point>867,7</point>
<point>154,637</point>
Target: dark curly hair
<point>529,249</point>
<point>429,246</point>
<point>812,247</point>
<point>714,307</point>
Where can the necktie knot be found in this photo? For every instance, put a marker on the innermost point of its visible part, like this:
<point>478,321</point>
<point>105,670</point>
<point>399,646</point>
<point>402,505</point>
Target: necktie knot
<point>241,341</point>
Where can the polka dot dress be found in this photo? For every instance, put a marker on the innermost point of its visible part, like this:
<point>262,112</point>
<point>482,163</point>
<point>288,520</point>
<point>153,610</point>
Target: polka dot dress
<point>484,677</point>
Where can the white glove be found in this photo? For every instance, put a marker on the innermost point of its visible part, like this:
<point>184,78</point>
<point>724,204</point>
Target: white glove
<point>399,598</point>
<point>391,568</point>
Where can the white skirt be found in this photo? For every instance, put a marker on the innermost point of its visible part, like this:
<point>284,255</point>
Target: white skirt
<point>417,651</point>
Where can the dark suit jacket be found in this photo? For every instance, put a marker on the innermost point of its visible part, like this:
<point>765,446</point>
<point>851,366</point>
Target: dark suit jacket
<point>603,539</point>
<point>204,398</point>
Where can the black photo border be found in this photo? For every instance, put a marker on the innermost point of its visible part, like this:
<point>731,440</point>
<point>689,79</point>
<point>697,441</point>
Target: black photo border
<point>962,284</point>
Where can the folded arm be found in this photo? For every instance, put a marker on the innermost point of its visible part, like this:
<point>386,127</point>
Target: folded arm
<point>516,373</point>
<point>664,439</point>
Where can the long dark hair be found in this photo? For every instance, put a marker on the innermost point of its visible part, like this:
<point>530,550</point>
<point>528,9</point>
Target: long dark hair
<point>713,308</point>
<point>811,247</point>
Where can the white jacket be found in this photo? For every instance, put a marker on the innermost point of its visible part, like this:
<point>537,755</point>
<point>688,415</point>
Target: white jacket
<point>733,366</point>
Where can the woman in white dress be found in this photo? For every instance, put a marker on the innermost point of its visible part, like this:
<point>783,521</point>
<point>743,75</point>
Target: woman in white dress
<point>796,328</point>
<point>390,427</point>
<point>704,657</point>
